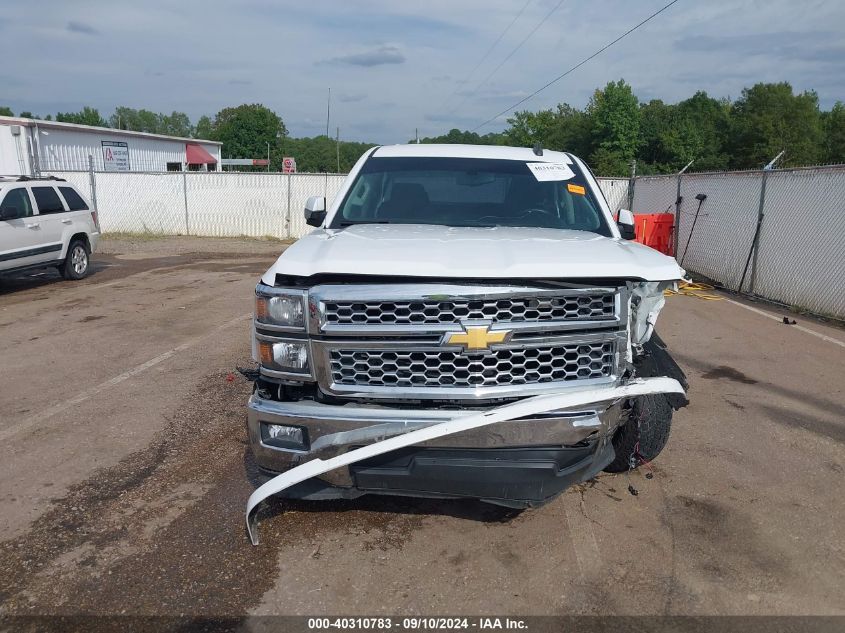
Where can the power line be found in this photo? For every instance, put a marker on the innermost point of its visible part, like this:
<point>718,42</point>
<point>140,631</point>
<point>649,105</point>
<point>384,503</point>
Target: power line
<point>509,55</point>
<point>487,54</point>
<point>576,66</point>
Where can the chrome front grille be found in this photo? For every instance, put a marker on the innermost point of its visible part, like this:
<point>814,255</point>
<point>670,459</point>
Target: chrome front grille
<point>396,341</point>
<point>599,305</point>
<point>501,367</point>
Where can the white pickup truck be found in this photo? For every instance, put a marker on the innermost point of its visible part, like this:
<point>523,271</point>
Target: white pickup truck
<point>445,282</point>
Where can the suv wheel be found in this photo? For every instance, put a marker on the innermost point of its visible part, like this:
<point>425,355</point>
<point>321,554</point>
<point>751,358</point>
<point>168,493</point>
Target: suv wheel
<point>77,262</point>
<point>644,434</point>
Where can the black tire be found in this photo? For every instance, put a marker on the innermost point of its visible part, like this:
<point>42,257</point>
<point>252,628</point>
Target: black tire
<point>77,262</point>
<point>649,423</point>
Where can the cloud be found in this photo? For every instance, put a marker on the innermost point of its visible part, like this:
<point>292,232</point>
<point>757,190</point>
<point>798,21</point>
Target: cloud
<point>351,98</point>
<point>811,46</point>
<point>81,27</point>
<point>385,54</point>
<point>240,82</point>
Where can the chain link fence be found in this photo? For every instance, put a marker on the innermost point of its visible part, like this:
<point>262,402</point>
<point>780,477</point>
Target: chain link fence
<point>616,191</point>
<point>215,204</point>
<point>794,257</point>
<point>774,234</point>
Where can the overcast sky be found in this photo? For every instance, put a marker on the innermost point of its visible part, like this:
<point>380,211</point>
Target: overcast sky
<point>397,65</point>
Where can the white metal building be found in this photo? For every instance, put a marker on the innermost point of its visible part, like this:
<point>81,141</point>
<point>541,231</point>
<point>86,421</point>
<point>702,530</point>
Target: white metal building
<point>32,147</point>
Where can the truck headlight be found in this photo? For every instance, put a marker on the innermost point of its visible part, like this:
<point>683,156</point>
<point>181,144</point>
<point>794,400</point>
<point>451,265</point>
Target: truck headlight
<point>285,310</point>
<point>289,356</point>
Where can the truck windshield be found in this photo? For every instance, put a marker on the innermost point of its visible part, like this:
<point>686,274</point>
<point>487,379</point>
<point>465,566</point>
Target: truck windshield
<point>469,192</point>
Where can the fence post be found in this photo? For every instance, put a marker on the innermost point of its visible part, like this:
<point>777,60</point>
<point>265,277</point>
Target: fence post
<point>631,183</point>
<point>676,230</point>
<point>287,213</point>
<point>185,193</point>
<point>755,242</point>
<point>92,181</point>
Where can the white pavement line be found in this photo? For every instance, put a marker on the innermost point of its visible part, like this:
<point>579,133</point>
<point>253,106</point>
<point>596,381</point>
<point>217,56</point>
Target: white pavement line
<point>584,543</point>
<point>36,418</point>
<point>774,317</point>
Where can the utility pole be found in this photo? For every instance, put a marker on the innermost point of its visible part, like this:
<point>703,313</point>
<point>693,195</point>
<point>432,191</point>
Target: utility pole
<point>417,135</point>
<point>328,111</point>
<point>337,142</point>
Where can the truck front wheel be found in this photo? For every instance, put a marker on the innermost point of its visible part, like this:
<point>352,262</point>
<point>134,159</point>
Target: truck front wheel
<point>645,433</point>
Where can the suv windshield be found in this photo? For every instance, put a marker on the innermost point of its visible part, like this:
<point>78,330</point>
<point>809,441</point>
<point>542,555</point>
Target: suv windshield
<point>468,192</point>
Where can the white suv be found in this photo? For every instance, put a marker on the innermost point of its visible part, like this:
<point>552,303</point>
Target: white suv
<point>46,222</point>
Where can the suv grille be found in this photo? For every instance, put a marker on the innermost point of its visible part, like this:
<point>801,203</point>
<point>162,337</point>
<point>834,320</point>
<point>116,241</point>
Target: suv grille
<point>502,367</point>
<point>512,309</point>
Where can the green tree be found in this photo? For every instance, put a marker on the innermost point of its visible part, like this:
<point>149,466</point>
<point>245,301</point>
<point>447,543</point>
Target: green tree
<point>6,111</point>
<point>834,134</point>
<point>673,135</point>
<point>570,131</point>
<point>456,136</point>
<point>246,130</point>
<point>615,122</point>
<point>318,154</point>
<point>768,118</point>
<point>86,116</point>
<point>529,128</point>
<point>174,124</point>
<point>204,128</point>
<point>26,114</point>
<point>656,119</point>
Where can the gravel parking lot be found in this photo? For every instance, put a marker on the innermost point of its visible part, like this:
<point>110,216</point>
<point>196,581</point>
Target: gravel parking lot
<point>124,471</point>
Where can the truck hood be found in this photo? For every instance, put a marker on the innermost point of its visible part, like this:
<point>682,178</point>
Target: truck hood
<point>424,250</point>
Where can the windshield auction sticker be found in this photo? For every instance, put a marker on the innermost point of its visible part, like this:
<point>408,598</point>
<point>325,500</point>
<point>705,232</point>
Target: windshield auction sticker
<point>551,171</point>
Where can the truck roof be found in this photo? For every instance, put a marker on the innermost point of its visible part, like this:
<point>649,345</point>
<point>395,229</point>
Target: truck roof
<point>470,151</point>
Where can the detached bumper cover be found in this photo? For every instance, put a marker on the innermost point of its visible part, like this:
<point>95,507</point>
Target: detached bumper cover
<point>461,422</point>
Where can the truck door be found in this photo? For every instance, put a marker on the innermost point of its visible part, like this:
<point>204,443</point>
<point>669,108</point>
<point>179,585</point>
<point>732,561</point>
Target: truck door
<point>21,240</point>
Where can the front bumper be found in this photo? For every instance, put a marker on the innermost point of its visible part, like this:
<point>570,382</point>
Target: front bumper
<point>333,430</point>
<point>525,409</point>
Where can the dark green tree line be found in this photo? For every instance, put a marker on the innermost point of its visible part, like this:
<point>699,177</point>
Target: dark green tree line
<point>615,128</point>
<point>612,131</point>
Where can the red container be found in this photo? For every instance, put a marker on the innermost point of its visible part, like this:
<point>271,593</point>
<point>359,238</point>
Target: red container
<point>656,230</point>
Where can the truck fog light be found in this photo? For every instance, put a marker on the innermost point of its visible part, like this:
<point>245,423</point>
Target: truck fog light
<point>290,356</point>
<point>281,436</point>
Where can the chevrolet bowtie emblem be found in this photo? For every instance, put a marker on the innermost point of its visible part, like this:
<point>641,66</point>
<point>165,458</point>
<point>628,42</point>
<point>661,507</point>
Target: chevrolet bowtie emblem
<point>476,337</point>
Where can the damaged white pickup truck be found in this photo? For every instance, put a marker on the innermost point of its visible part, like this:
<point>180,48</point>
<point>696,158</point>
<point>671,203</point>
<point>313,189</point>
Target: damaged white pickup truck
<point>466,322</point>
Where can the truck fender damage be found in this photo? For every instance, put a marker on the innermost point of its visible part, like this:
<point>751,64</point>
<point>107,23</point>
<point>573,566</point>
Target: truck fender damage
<point>529,406</point>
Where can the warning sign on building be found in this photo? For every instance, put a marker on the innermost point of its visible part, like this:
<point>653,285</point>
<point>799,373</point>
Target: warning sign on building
<point>115,156</point>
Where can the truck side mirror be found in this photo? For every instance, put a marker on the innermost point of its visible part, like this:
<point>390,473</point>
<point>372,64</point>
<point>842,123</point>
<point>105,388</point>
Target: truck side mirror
<point>625,222</point>
<point>315,211</point>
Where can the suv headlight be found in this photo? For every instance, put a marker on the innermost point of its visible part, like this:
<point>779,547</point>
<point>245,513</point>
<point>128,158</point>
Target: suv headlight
<point>279,308</point>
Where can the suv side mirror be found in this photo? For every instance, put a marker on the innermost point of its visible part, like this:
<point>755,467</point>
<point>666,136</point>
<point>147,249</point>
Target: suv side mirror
<point>315,211</point>
<point>625,222</point>
<point>9,213</point>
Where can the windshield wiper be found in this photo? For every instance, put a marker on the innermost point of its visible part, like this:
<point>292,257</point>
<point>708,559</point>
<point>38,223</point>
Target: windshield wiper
<point>342,224</point>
